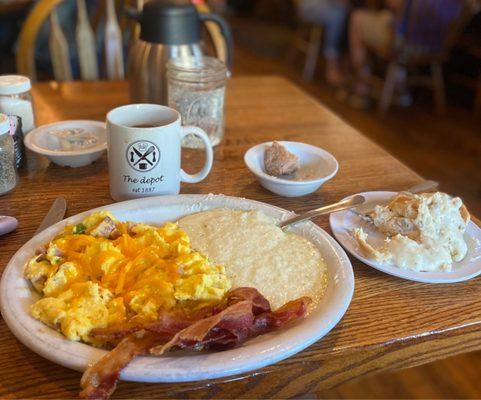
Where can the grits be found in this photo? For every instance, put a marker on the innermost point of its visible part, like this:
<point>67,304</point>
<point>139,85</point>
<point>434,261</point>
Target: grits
<point>255,252</point>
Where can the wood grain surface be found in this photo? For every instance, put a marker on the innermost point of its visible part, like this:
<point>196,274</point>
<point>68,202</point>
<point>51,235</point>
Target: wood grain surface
<point>391,323</point>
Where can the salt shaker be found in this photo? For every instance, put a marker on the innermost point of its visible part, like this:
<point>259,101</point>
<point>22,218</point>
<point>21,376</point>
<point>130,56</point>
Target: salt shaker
<point>16,99</point>
<point>196,88</point>
<point>8,172</point>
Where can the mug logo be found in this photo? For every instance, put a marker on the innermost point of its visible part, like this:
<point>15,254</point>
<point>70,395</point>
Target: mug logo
<point>143,155</point>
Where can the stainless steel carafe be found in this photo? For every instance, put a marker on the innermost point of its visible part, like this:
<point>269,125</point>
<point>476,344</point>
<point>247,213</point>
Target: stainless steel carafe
<point>168,29</point>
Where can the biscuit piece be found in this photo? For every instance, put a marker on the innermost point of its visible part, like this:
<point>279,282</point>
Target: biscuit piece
<point>278,161</point>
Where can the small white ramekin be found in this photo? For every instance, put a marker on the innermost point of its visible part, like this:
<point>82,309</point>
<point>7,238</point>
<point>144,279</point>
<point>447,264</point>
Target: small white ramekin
<point>37,141</point>
<point>308,154</point>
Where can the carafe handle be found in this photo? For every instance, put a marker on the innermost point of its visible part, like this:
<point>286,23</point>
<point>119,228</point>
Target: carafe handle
<point>226,32</point>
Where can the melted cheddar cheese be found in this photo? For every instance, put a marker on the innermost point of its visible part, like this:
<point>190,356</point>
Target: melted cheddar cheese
<point>103,272</point>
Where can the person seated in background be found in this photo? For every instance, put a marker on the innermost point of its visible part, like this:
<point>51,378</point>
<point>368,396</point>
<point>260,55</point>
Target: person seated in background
<point>384,31</point>
<point>332,16</point>
<point>371,30</point>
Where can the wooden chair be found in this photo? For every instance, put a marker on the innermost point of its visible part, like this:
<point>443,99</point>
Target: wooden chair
<point>421,46</point>
<point>85,40</point>
<point>475,82</point>
<point>307,40</point>
<point>470,45</point>
<point>477,98</point>
<point>59,51</point>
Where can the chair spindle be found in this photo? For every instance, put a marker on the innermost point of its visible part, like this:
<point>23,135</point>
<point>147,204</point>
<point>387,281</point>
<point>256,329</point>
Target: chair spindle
<point>59,52</point>
<point>113,44</point>
<point>86,49</point>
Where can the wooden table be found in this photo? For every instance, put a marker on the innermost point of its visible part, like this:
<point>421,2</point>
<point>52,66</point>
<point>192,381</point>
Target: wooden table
<point>391,323</point>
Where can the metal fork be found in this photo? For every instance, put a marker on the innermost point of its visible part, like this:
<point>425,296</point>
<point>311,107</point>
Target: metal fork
<point>364,210</point>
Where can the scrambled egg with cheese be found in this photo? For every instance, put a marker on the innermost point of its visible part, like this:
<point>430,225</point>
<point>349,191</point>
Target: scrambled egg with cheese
<point>103,272</point>
<point>423,232</point>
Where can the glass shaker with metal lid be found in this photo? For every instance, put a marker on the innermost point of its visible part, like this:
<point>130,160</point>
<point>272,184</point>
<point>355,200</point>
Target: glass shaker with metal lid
<point>16,99</point>
<point>8,171</point>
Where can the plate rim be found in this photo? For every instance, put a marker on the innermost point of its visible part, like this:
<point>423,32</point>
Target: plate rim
<point>131,373</point>
<point>335,219</point>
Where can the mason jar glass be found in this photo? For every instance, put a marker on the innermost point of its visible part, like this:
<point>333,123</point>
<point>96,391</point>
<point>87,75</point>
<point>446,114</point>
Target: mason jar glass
<point>196,89</point>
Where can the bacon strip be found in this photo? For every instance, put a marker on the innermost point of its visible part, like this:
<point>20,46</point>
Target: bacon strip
<point>196,336</point>
<point>168,323</point>
<point>289,312</point>
<point>244,314</point>
<point>100,380</point>
<point>259,303</point>
<point>174,321</point>
<point>116,332</point>
<point>234,325</point>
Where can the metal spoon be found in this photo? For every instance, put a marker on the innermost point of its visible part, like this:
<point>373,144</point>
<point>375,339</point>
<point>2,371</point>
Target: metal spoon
<point>340,205</point>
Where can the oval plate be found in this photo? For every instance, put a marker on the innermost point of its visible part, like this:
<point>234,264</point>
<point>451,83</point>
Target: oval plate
<point>16,297</point>
<point>343,222</point>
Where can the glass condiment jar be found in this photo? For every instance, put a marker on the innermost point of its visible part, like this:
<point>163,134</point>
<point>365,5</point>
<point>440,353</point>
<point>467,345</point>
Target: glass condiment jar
<point>196,88</point>
<point>8,171</point>
<point>16,100</point>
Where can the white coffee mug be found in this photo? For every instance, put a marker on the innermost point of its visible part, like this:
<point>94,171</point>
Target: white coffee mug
<point>144,151</point>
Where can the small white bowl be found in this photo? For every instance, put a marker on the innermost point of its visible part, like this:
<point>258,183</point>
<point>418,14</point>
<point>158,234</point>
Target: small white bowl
<point>311,157</point>
<point>39,141</point>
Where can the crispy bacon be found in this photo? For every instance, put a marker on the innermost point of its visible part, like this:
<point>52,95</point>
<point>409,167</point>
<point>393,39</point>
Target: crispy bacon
<point>233,319</point>
<point>259,303</point>
<point>234,325</point>
<point>168,323</point>
<point>100,380</point>
<point>244,314</point>
<point>174,321</point>
<point>290,311</point>
<point>116,332</point>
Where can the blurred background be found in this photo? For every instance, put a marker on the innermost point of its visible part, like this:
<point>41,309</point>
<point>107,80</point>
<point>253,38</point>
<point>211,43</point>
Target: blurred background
<point>405,73</point>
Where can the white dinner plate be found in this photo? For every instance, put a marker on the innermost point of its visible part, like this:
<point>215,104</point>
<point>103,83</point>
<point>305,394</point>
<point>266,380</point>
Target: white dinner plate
<point>16,297</point>
<point>343,222</point>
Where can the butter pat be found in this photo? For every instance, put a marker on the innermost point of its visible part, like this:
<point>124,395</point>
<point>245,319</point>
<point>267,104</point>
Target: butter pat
<point>74,139</point>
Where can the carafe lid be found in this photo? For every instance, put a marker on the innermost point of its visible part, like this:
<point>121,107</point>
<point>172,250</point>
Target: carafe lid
<point>170,22</point>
